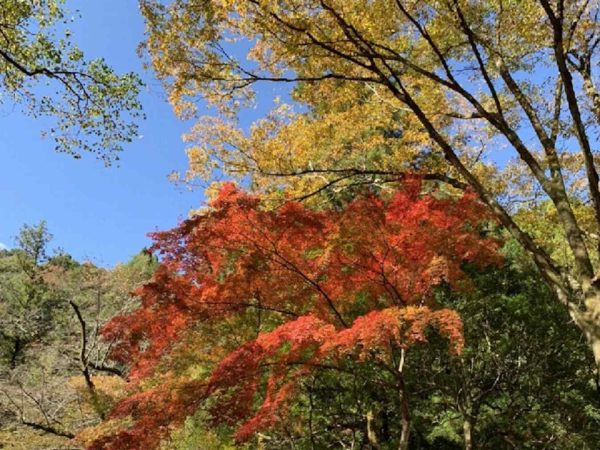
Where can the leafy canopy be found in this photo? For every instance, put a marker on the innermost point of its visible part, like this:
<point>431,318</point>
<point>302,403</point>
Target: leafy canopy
<point>497,95</point>
<point>295,288</point>
<point>93,108</point>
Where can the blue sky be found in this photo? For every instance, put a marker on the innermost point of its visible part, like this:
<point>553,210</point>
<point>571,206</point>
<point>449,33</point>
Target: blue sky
<point>96,213</point>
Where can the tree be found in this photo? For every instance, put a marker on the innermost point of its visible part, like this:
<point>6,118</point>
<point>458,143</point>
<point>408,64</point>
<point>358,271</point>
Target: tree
<point>524,379</point>
<point>26,300</point>
<point>449,88</point>
<point>94,109</point>
<point>248,301</point>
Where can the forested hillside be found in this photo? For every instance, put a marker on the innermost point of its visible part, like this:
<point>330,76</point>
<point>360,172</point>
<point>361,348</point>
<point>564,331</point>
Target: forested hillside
<point>55,376</point>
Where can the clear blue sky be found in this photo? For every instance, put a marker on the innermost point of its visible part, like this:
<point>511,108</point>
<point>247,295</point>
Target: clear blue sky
<point>94,212</point>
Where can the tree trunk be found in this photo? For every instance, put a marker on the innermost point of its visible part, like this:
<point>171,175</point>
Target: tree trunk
<point>371,433</point>
<point>589,322</point>
<point>592,93</point>
<point>468,433</point>
<point>405,432</point>
<point>15,353</point>
<point>404,409</point>
<point>595,344</point>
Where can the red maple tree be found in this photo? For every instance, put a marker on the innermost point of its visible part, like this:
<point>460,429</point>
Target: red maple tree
<point>356,282</point>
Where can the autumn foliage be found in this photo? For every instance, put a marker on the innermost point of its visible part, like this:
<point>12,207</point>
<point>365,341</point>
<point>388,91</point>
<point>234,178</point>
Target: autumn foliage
<point>316,287</point>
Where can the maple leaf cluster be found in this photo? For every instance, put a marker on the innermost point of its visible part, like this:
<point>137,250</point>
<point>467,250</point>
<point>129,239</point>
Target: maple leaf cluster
<point>357,282</point>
